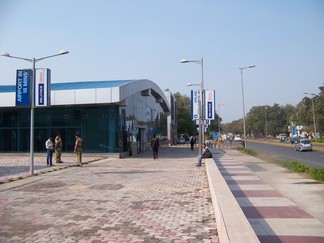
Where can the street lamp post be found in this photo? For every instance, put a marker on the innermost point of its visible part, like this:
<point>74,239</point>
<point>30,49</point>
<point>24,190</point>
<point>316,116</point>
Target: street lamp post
<point>242,68</point>
<point>219,122</point>
<point>314,119</point>
<point>32,98</point>
<point>201,113</point>
<point>266,123</point>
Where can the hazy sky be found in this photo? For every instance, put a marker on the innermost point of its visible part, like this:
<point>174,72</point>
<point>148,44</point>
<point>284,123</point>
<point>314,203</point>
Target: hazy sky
<point>146,39</point>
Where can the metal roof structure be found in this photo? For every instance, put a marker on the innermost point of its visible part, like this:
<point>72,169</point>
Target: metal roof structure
<point>93,92</point>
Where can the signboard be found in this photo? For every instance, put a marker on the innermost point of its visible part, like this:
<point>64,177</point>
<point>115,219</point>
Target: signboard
<point>210,104</point>
<point>23,79</point>
<point>42,87</point>
<point>195,102</point>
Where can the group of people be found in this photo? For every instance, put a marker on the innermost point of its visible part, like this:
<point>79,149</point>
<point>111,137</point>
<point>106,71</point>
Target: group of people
<point>56,146</point>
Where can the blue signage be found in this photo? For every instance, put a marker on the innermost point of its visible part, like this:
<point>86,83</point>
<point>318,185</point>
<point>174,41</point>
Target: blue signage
<point>41,94</point>
<point>23,87</point>
<point>210,110</point>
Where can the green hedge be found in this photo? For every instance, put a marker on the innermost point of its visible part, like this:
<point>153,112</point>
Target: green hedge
<point>314,173</point>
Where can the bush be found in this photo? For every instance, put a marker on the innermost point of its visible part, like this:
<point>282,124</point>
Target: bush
<point>297,167</point>
<point>317,174</point>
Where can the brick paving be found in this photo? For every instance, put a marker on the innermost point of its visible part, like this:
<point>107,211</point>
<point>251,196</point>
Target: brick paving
<point>112,200</point>
<point>274,217</point>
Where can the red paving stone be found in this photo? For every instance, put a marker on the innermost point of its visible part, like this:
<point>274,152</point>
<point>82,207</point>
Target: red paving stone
<point>275,212</point>
<point>256,193</point>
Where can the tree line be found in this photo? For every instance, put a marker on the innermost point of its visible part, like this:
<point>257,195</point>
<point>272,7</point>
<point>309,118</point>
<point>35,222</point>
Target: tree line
<point>261,120</point>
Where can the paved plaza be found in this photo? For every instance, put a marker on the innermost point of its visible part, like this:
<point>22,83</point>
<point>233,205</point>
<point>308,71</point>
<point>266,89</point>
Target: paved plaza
<point>111,200</point>
<point>140,199</point>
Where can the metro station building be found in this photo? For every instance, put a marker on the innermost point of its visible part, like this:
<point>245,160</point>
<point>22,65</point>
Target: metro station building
<point>111,116</point>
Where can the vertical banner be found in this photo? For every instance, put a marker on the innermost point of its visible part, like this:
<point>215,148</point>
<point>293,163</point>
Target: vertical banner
<point>23,82</point>
<point>195,98</point>
<point>42,87</point>
<point>210,104</point>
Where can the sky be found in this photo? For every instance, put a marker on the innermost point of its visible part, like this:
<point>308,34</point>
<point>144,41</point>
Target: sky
<point>147,39</point>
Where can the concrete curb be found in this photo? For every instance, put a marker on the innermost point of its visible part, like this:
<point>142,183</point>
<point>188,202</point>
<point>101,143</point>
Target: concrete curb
<point>232,225</point>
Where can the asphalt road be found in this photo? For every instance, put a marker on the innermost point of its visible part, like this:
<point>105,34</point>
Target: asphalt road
<point>314,159</point>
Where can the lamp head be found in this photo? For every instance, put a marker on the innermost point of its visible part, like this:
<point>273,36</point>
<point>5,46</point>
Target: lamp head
<point>251,66</point>
<point>184,61</point>
<point>63,52</point>
<point>5,54</point>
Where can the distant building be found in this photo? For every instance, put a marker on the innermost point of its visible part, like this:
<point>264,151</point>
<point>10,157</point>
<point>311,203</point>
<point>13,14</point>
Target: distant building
<point>172,118</point>
<point>111,116</point>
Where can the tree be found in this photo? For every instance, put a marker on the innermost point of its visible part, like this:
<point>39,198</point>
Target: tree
<point>185,123</point>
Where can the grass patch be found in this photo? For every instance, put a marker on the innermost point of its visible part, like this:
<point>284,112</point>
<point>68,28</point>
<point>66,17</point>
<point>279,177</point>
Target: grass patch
<point>247,151</point>
<point>297,166</point>
<point>314,173</point>
<point>317,174</point>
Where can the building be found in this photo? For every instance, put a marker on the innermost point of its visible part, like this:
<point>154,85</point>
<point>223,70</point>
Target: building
<point>172,118</point>
<point>111,116</point>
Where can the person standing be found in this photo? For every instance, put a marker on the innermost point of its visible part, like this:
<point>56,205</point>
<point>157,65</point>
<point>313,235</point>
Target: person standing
<point>155,146</point>
<point>49,147</point>
<point>78,147</point>
<point>192,142</point>
<point>206,153</point>
<point>58,148</point>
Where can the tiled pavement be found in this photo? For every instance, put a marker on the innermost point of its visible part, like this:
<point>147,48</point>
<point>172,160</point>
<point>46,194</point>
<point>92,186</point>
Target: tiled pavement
<point>112,200</point>
<point>273,216</point>
<point>144,200</point>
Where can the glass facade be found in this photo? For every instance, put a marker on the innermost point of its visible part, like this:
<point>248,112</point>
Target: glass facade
<point>107,128</point>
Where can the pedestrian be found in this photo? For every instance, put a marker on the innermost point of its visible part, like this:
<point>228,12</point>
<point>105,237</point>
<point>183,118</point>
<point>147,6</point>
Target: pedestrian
<point>155,146</point>
<point>206,153</point>
<point>78,147</point>
<point>49,149</point>
<point>192,142</point>
<point>58,148</point>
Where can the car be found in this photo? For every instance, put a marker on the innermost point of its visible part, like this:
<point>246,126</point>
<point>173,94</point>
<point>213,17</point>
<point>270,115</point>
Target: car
<point>181,140</point>
<point>237,138</point>
<point>303,145</point>
<point>282,136</point>
<point>294,140</point>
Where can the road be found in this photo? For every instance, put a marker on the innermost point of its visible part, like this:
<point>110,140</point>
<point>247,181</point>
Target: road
<point>314,159</point>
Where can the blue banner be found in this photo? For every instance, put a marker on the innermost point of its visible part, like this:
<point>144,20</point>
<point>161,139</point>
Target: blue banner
<point>23,87</point>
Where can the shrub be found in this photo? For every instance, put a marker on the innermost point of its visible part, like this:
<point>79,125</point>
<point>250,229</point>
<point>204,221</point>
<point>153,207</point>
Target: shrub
<point>297,167</point>
<point>317,174</point>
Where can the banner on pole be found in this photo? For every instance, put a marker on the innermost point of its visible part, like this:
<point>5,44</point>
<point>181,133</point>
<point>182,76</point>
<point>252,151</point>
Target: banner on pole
<point>42,87</point>
<point>195,102</point>
<point>210,104</point>
<point>23,82</point>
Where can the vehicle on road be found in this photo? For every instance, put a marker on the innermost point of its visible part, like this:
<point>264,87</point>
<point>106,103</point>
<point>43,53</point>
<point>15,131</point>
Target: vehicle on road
<point>303,145</point>
<point>294,140</point>
<point>282,136</point>
<point>181,140</point>
<point>237,138</point>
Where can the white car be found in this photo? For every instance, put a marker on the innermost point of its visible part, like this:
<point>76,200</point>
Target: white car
<point>181,140</point>
<point>237,138</point>
<point>303,145</point>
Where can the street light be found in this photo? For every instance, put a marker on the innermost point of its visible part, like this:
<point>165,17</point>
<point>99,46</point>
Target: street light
<point>219,123</point>
<point>313,112</point>
<point>33,61</point>
<point>201,106</point>
<point>242,68</point>
<point>266,123</point>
